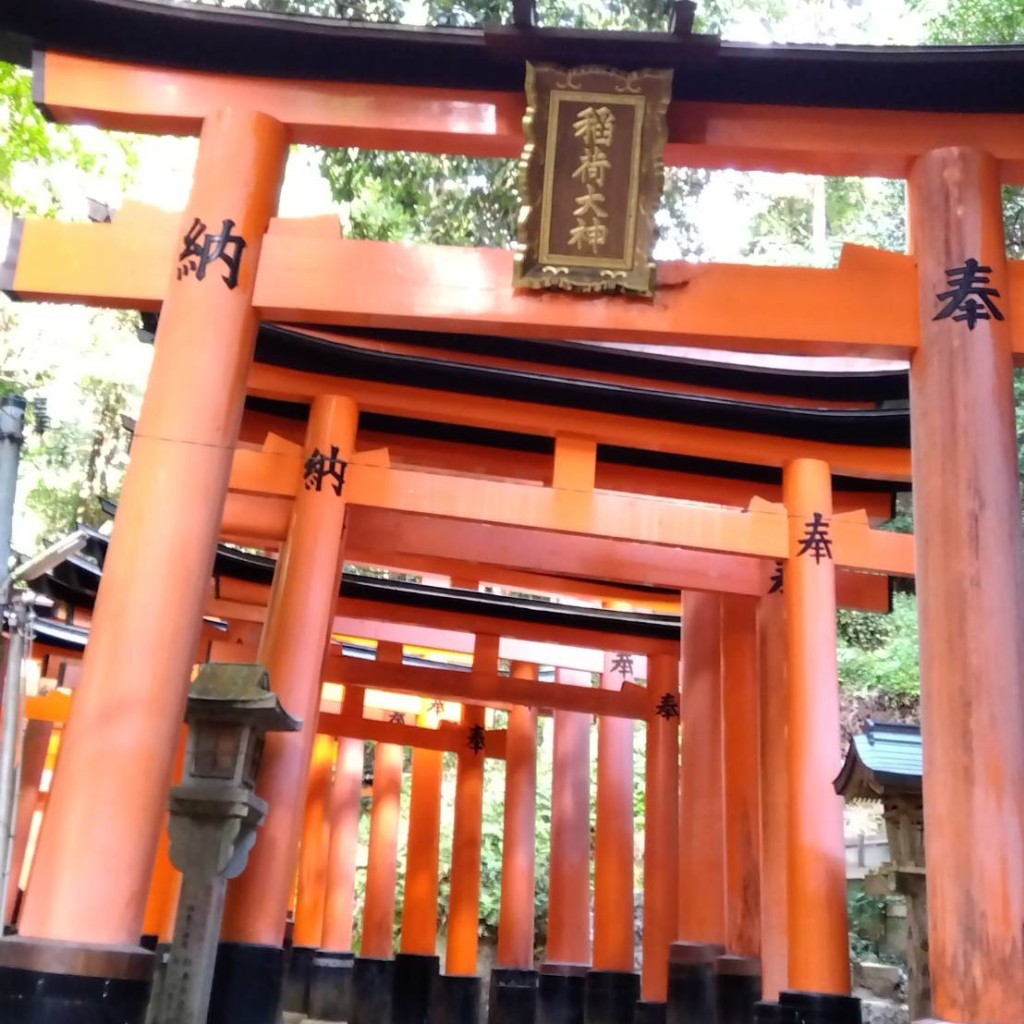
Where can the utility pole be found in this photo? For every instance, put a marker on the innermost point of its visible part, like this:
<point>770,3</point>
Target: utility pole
<point>12,434</point>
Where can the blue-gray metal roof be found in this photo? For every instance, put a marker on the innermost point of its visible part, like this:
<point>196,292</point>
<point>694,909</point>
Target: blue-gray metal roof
<point>886,757</point>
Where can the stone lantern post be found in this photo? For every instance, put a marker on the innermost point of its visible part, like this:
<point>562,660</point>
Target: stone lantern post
<point>214,816</point>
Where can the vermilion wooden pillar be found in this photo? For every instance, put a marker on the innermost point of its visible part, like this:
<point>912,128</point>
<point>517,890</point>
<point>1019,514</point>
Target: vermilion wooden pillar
<point>382,856</point>
<point>569,867</point>
<point>771,652</point>
<point>818,952</point>
<point>419,909</point>
<point>314,848</point>
<point>971,604</point>
<point>464,899</point>
<point>299,616</point>
<point>35,747</point>
<point>613,853</point>
<point>702,916</point>
<point>742,775</point>
<point>661,825</point>
<point>518,855</point>
<point>165,884</point>
<point>91,883</point>
<point>346,796</point>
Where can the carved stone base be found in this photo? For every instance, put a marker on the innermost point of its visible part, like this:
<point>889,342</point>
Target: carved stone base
<point>49,982</point>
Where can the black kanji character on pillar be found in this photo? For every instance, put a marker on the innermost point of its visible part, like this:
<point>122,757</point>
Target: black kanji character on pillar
<point>319,466</point>
<point>397,717</point>
<point>966,287</point>
<point>816,539</point>
<point>477,738</point>
<point>777,580</point>
<point>623,664</point>
<point>668,706</point>
<point>200,248</point>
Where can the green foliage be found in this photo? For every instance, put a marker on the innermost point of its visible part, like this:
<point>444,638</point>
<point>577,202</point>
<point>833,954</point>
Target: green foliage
<point>80,465</point>
<point>866,914</point>
<point>878,654</point>
<point>959,22</point>
<point>27,140</point>
<point>418,197</point>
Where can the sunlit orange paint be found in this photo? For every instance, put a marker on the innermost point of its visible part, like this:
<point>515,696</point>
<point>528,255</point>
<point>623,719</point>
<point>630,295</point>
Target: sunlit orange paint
<point>343,816</point>
<point>818,950</point>
<point>605,428</point>
<point>518,855</point>
<point>422,870</point>
<point>771,652</point>
<point>804,139</point>
<point>165,883</point>
<point>741,750</point>
<point>661,829</point>
<point>90,884</point>
<point>311,893</point>
<point>382,858</point>
<point>569,864</point>
<point>464,895</point>
<point>613,847</point>
<point>702,915</point>
<point>967,503</point>
<point>297,629</point>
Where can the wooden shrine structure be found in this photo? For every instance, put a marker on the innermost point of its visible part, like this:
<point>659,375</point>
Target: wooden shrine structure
<point>330,401</point>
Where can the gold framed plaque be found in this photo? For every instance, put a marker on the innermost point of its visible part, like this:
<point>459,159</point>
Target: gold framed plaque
<point>591,178</point>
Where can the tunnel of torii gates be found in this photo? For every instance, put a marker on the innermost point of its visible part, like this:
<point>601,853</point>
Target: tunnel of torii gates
<point>702,512</point>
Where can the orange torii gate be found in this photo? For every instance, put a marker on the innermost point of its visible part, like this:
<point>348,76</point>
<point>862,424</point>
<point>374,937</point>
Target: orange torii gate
<point>90,885</point>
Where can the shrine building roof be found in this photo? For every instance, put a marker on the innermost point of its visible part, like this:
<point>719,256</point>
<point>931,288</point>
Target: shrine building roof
<point>192,36</point>
<point>884,759</point>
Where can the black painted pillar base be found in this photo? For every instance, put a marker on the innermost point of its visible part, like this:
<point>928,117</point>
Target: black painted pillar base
<point>371,990</point>
<point>512,996</point>
<point>610,997</point>
<point>297,970</point>
<point>456,999</point>
<point>412,987</point>
<point>247,981</point>
<point>330,986</point>
<point>83,984</point>
<point>692,996</point>
<point>738,981</point>
<point>766,1012</point>
<point>822,1008</point>
<point>560,990</point>
<point>650,1013</point>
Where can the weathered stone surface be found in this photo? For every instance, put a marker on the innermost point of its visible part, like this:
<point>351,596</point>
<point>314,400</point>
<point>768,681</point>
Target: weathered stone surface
<point>880,1011</point>
<point>880,981</point>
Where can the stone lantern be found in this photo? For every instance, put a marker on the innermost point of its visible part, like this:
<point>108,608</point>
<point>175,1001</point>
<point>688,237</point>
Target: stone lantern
<point>215,813</point>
